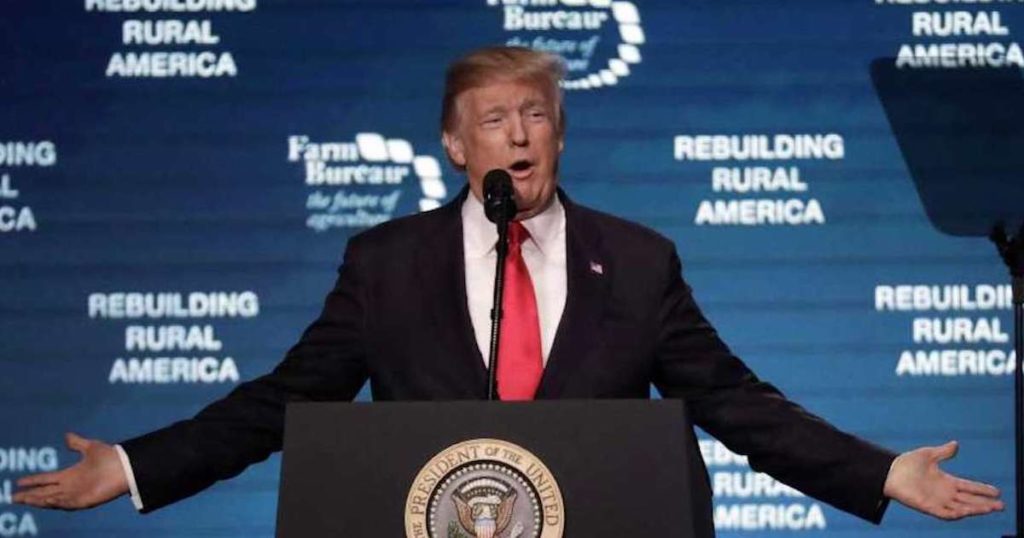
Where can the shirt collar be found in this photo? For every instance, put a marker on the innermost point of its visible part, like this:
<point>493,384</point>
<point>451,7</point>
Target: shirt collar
<point>481,236</point>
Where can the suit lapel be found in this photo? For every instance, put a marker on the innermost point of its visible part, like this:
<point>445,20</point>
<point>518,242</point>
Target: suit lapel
<point>440,259</point>
<point>587,283</point>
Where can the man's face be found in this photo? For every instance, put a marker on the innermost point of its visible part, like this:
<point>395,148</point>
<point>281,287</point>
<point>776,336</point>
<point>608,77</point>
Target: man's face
<point>512,125</point>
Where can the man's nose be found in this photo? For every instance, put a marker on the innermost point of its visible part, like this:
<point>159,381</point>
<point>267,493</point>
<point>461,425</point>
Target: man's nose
<point>517,132</point>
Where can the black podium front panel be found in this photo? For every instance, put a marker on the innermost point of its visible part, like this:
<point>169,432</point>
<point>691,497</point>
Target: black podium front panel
<point>624,468</point>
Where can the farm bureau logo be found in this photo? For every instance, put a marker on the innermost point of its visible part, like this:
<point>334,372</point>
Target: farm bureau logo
<point>599,39</point>
<point>359,184</point>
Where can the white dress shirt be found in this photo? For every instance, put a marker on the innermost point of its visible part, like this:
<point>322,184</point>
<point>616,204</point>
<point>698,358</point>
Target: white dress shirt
<point>544,254</point>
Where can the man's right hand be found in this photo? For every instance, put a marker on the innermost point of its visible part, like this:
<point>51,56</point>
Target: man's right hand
<point>96,479</point>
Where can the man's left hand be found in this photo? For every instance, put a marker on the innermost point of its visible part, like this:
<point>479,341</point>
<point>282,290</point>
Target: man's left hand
<point>916,480</point>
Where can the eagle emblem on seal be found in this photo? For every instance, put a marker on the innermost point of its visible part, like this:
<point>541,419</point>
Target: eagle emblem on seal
<point>485,506</point>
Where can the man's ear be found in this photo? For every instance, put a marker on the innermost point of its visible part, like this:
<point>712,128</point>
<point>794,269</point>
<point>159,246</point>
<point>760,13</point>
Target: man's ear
<point>454,147</point>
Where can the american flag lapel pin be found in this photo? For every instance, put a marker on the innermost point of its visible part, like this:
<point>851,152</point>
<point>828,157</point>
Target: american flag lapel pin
<point>596,268</point>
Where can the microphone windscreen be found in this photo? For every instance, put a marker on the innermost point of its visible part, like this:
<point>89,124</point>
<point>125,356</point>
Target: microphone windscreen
<point>497,184</point>
<point>499,204</point>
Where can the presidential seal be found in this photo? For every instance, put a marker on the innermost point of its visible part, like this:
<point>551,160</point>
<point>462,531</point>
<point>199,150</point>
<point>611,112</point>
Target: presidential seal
<point>484,488</point>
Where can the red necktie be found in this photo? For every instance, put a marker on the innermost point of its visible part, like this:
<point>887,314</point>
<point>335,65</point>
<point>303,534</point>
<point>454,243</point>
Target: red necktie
<point>519,357</point>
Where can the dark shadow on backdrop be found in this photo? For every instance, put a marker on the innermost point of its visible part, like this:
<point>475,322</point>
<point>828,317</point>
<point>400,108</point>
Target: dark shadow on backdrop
<point>961,133</point>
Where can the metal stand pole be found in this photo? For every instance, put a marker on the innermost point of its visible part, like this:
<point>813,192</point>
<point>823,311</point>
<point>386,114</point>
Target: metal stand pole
<point>1012,252</point>
<point>496,311</point>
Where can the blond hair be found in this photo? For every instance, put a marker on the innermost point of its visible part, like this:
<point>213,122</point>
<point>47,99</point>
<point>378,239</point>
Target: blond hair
<point>490,64</point>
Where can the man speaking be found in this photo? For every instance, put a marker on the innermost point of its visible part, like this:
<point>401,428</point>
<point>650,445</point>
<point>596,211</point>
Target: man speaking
<point>595,308</point>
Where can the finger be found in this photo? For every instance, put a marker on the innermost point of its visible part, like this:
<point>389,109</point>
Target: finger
<point>41,479</point>
<point>31,500</point>
<point>76,442</point>
<point>38,497</point>
<point>959,510</point>
<point>946,451</point>
<point>972,509</point>
<point>977,488</point>
<point>972,500</point>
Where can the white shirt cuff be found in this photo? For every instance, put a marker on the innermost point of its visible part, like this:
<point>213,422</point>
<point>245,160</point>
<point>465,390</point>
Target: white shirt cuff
<point>132,487</point>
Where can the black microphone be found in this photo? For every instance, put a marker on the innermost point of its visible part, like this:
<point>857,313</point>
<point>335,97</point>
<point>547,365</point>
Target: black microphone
<point>499,205</point>
<point>500,208</point>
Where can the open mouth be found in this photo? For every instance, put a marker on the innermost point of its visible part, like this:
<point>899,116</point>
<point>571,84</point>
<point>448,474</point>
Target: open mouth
<point>521,168</point>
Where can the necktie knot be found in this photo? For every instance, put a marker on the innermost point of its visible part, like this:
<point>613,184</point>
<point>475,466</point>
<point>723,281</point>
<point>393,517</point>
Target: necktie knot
<point>517,233</point>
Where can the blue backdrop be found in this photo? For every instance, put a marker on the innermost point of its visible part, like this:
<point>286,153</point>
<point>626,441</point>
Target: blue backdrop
<point>209,158</point>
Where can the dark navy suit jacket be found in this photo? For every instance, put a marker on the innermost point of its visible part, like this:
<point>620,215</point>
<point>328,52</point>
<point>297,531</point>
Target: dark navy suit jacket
<point>398,316</point>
